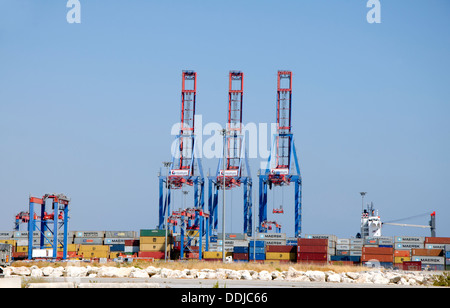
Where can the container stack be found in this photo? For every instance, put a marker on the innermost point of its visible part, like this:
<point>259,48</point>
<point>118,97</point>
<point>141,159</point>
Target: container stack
<point>240,250</point>
<point>315,249</point>
<point>257,251</point>
<point>152,243</point>
<point>400,257</point>
<point>93,251</point>
<point>408,242</point>
<point>116,241</point>
<point>383,256</point>
<point>348,251</point>
<point>281,253</point>
<point>131,247</point>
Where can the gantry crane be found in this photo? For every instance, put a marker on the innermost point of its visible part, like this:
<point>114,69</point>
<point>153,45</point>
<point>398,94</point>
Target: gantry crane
<point>185,168</point>
<point>282,165</point>
<point>237,170</point>
<point>59,218</point>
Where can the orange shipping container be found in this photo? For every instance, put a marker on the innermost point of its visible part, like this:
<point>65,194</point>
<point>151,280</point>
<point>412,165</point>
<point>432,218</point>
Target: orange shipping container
<point>378,250</point>
<point>402,253</point>
<point>379,258</point>
<point>437,240</point>
<point>427,252</point>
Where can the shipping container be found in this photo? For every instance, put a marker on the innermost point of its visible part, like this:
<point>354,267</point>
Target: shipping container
<point>271,236</point>
<point>428,259</point>
<point>151,254</point>
<point>356,252</point>
<point>240,249</point>
<point>402,253</point>
<point>281,248</point>
<point>342,247</point>
<point>377,257</point>
<point>357,241</point>
<point>435,246</point>
<point>153,247</point>
<point>281,256</point>
<point>132,242</point>
<point>409,239</point>
<point>343,241</point>
<point>257,243</point>
<point>408,245</point>
<point>240,256</point>
<point>412,266</point>
<point>120,234</point>
<point>152,240</point>
<point>437,240</point>
<point>312,242</point>
<point>342,252</point>
<point>90,234</point>
<point>111,241</point>
<point>233,236</point>
<point>427,252</point>
<point>257,250</point>
<point>401,259</point>
<point>312,256</point>
<point>88,241</point>
<point>154,232</point>
<point>377,250</point>
<point>256,256</point>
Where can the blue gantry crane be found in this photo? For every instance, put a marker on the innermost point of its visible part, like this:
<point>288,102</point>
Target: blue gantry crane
<point>237,169</point>
<point>185,169</point>
<point>282,165</point>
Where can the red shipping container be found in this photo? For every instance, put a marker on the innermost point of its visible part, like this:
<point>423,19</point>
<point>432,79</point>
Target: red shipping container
<point>380,258</point>
<point>378,250</point>
<point>240,256</point>
<point>315,249</point>
<point>412,266</point>
<point>312,256</point>
<point>151,254</point>
<point>313,262</point>
<point>280,248</point>
<point>312,242</point>
<point>437,240</point>
<point>131,242</point>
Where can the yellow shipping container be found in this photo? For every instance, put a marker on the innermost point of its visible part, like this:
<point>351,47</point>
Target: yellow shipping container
<point>281,256</point>
<point>401,259</point>
<point>215,254</point>
<point>153,239</point>
<point>114,254</point>
<point>11,242</point>
<point>153,247</point>
<point>21,248</point>
<point>93,248</point>
<point>94,254</point>
<point>70,247</point>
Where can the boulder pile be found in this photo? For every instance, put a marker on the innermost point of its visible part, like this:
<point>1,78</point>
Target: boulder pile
<point>378,276</point>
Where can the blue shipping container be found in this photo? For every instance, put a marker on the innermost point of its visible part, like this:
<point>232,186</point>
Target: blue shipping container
<point>240,249</point>
<point>257,250</point>
<point>257,243</point>
<point>345,258</point>
<point>117,247</point>
<point>257,256</point>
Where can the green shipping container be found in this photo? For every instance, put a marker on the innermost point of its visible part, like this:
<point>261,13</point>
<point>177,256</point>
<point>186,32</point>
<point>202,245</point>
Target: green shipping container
<point>154,232</point>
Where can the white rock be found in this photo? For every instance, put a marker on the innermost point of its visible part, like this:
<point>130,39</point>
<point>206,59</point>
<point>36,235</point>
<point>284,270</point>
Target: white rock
<point>245,275</point>
<point>264,275</point>
<point>21,271</point>
<point>76,271</point>
<point>36,272</point>
<point>151,270</point>
<point>234,275</point>
<point>378,278</point>
<point>138,273</point>
<point>333,277</point>
<point>316,276</point>
<point>352,275</point>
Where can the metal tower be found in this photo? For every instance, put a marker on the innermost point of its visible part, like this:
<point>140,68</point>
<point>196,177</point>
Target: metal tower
<point>235,173</point>
<point>282,165</point>
<point>186,167</point>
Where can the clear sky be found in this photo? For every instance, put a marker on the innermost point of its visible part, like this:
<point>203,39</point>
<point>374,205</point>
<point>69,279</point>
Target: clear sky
<point>87,109</point>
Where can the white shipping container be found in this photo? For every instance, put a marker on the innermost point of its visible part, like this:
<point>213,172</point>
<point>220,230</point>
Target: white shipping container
<point>429,259</point>
<point>342,247</point>
<point>408,245</point>
<point>42,253</point>
<point>413,239</point>
<point>357,241</point>
<point>435,246</point>
<point>343,241</point>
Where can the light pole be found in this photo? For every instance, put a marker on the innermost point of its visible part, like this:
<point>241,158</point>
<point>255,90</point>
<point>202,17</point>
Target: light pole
<point>167,165</point>
<point>363,193</point>
<point>224,133</point>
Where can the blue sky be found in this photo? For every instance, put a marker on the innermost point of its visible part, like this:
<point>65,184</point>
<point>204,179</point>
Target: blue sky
<point>86,109</point>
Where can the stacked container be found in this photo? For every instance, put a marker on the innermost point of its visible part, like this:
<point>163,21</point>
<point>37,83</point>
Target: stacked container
<point>281,253</point>
<point>313,250</point>
<point>152,243</point>
<point>257,251</point>
<point>384,256</point>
